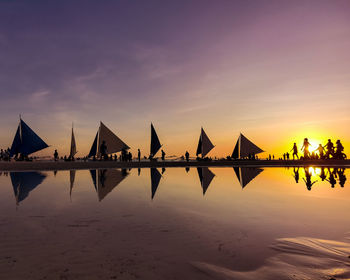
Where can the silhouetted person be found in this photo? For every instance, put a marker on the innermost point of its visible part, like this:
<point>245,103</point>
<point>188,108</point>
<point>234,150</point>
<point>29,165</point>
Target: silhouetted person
<point>55,155</point>
<point>103,149</point>
<point>115,157</point>
<point>295,151</point>
<point>287,155</point>
<point>269,157</point>
<point>305,148</point>
<point>320,150</point>
<point>130,156</point>
<point>296,174</point>
<point>187,155</point>
<point>339,151</point>
<point>329,149</point>
<point>284,156</point>
<point>139,154</point>
<point>163,155</point>
<point>308,180</point>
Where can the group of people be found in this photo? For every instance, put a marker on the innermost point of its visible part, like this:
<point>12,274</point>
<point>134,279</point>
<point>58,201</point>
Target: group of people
<point>327,151</point>
<point>5,154</point>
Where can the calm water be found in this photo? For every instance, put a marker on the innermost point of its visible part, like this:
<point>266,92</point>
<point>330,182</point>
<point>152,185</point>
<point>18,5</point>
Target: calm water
<point>200,224</point>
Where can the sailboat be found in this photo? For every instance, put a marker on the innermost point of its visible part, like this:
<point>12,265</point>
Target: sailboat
<point>204,144</point>
<point>205,177</point>
<point>24,182</point>
<point>113,142</point>
<point>26,141</point>
<point>245,148</point>
<point>155,179</point>
<point>246,174</point>
<point>73,146</point>
<point>155,143</point>
<point>105,180</point>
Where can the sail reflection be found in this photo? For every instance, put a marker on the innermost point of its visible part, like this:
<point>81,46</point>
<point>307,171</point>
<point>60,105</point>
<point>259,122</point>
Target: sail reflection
<point>24,182</point>
<point>205,177</point>
<point>155,179</point>
<point>71,180</point>
<point>246,174</point>
<point>105,180</point>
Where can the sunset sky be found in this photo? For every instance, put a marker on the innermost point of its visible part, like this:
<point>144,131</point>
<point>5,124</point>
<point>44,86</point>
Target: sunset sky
<point>277,71</point>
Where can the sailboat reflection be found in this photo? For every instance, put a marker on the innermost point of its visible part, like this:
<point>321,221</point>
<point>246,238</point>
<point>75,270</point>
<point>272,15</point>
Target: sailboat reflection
<point>105,180</point>
<point>155,179</point>
<point>71,180</point>
<point>246,174</point>
<point>205,177</point>
<point>24,182</point>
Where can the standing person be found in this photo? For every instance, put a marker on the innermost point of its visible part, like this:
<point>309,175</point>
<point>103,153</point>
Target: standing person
<point>287,154</point>
<point>305,148</point>
<point>163,155</point>
<point>139,155</point>
<point>55,155</point>
<point>329,149</point>
<point>103,149</point>
<point>295,150</point>
<point>284,156</point>
<point>187,155</point>
<point>339,150</point>
<point>320,150</point>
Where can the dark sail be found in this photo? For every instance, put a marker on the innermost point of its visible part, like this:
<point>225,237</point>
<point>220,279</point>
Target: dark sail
<point>199,147</point>
<point>24,182</point>
<point>26,141</point>
<point>93,176</point>
<point>155,143</point>
<point>155,179</point>
<point>93,150</point>
<point>235,154</point>
<point>247,147</point>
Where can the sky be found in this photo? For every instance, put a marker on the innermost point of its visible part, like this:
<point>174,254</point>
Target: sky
<point>277,71</point>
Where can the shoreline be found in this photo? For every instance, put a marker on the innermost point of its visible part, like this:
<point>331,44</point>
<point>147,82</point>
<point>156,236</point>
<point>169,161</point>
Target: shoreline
<point>69,165</point>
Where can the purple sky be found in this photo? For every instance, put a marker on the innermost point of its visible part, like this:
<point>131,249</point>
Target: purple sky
<point>271,69</point>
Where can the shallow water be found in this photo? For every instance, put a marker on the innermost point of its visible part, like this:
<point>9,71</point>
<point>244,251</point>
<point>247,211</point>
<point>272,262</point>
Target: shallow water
<point>200,224</point>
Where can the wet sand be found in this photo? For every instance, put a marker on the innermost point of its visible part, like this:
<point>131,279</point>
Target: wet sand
<point>66,165</point>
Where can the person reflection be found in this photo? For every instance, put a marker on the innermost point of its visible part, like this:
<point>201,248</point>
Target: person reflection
<point>323,175</point>
<point>296,174</point>
<point>331,178</point>
<point>341,176</point>
<point>308,180</point>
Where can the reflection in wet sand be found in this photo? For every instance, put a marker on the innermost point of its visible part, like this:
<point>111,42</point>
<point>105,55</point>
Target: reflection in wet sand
<point>24,182</point>
<point>246,174</point>
<point>205,177</point>
<point>155,179</point>
<point>297,258</point>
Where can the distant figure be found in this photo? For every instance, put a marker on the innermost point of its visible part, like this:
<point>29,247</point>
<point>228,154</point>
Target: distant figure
<point>273,157</point>
<point>287,155</point>
<point>130,156</point>
<point>187,155</point>
<point>339,151</point>
<point>115,157</point>
<point>295,151</point>
<point>296,174</point>
<point>305,148</point>
<point>55,155</point>
<point>139,154</point>
<point>308,180</point>
<point>284,156</point>
<point>103,149</point>
<point>329,149</point>
<point>269,157</point>
<point>163,155</point>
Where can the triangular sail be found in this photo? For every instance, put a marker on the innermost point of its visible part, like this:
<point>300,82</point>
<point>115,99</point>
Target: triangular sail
<point>199,147</point>
<point>107,180</point>
<point>113,142</point>
<point>26,141</point>
<point>207,145</point>
<point>246,174</point>
<point>247,147</point>
<point>93,150</point>
<point>73,147</point>
<point>24,182</point>
<point>235,154</point>
<point>155,179</point>
<point>205,177</point>
<point>93,174</point>
<point>155,143</point>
